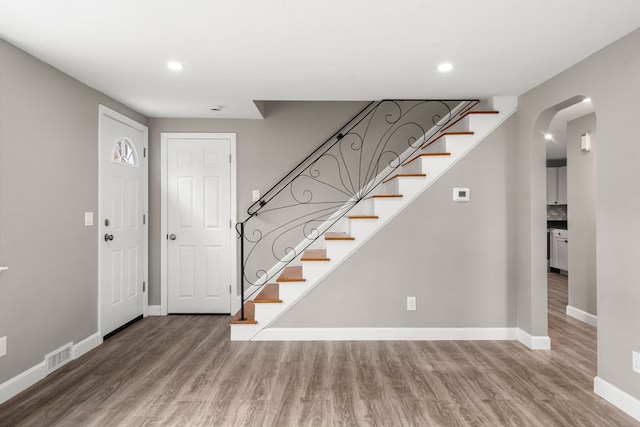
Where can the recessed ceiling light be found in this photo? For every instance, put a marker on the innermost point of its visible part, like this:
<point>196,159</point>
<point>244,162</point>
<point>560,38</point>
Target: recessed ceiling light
<point>586,100</point>
<point>175,66</point>
<point>548,136</point>
<point>445,68</point>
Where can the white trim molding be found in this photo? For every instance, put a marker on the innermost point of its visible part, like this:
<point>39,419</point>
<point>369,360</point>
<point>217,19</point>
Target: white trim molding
<point>22,381</point>
<point>26,379</point>
<point>156,310</point>
<point>582,316</point>
<point>385,334</point>
<point>618,398</point>
<point>404,334</point>
<point>533,342</point>
<point>86,345</point>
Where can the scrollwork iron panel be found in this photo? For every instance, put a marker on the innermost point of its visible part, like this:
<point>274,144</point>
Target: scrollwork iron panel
<point>335,178</point>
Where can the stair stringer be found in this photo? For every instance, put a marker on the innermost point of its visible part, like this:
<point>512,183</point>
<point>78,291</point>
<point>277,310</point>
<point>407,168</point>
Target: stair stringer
<point>385,209</point>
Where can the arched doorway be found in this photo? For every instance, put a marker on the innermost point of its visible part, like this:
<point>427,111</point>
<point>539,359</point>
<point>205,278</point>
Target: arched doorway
<point>571,206</point>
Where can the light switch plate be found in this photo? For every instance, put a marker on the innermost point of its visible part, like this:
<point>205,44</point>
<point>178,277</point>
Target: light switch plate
<point>88,219</point>
<point>3,346</point>
<point>255,195</point>
<point>411,303</point>
<point>636,361</point>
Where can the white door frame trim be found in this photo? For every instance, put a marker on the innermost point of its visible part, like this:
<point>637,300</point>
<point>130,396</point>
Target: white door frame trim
<point>233,256</point>
<point>104,112</point>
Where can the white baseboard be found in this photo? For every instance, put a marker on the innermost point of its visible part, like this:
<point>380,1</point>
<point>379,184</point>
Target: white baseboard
<point>582,316</point>
<point>155,310</point>
<point>618,398</point>
<point>26,379</point>
<point>22,381</point>
<point>86,345</point>
<point>385,334</point>
<point>533,342</point>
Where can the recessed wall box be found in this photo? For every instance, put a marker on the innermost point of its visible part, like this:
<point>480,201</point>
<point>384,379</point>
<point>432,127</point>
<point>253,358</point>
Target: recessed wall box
<point>460,194</point>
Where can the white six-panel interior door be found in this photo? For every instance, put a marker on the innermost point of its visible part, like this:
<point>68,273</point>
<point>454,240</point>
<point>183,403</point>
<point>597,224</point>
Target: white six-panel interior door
<point>122,219</point>
<point>198,233</point>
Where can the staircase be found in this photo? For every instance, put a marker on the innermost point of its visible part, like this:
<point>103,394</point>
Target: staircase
<point>343,231</point>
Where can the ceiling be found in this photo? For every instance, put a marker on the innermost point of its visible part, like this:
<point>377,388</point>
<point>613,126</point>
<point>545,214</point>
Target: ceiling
<point>237,52</point>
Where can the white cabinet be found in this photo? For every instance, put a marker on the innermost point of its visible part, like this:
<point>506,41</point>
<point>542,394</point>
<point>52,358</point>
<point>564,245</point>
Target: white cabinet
<point>562,185</point>
<point>552,186</point>
<point>557,186</point>
<point>560,249</point>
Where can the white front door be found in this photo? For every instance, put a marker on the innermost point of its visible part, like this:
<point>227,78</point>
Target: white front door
<point>122,219</point>
<point>199,228</point>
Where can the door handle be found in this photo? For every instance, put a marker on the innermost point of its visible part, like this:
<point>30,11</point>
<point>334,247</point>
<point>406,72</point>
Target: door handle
<point>172,237</point>
<point>108,237</point>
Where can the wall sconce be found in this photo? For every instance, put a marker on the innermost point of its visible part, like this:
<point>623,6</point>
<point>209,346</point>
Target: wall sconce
<point>585,142</point>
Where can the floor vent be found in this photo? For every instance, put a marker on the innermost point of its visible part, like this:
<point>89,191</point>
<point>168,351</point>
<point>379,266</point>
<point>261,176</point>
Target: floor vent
<point>58,358</point>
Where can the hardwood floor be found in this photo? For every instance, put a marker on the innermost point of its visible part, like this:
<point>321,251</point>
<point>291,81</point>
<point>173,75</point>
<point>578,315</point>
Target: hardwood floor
<point>184,371</point>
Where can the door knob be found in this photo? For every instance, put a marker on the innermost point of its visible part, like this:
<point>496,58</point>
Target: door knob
<point>172,237</point>
<point>108,237</point>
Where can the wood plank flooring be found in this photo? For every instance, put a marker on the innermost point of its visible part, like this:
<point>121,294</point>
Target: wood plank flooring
<point>184,371</point>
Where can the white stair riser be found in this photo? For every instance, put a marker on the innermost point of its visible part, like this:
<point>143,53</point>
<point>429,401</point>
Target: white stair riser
<point>459,144</point>
<point>313,270</point>
<point>338,249</point>
<point>410,186</point>
<point>290,291</point>
<point>386,207</point>
<point>480,123</point>
<point>437,146</point>
<point>413,167</point>
<point>266,312</point>
<point>244,332</point>
<point>362,228</point>
<point>405,185</point>
<point>433,166</point>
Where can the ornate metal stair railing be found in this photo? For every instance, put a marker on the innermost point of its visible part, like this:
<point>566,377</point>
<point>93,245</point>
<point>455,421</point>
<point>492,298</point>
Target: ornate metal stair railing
<point>333,179</point>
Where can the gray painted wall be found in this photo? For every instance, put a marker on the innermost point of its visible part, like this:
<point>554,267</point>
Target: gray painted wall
<point>581,193</point>
<point>49,295</point>
<point>48,179</point>
<point>611,78</point>
<point>266,150</point>
<point>456,258</point>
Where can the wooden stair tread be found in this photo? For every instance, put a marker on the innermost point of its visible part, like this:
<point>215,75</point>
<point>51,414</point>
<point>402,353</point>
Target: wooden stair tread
<point>291,274</point>
<point>315,255</point>
<point>482,112</point>
<point>337,235</point>
<point>363,217</point>
<point>465,132</point>
<point>270,293</point>
<point>384,196</point>
<point>405,175</point>
<point>426,155</point>
<point>249,314</point>
<point>469,107</point>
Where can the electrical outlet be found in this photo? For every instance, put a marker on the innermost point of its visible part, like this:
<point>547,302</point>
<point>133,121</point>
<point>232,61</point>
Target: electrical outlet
<point>411,303</point>
<point>636,361</point>
<point>3,346</point>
